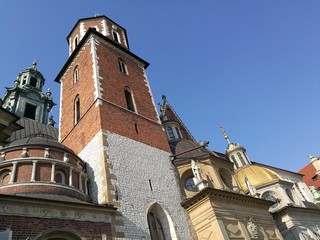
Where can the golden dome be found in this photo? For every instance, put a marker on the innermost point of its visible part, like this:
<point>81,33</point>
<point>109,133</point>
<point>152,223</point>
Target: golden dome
<point>257,176</point>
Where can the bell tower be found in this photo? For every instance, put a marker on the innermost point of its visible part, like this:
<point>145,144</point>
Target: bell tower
<point>108,117</point>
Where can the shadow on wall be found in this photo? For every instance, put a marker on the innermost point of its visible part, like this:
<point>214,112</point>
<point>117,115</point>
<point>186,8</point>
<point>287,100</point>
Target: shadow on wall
<point>93,187</point>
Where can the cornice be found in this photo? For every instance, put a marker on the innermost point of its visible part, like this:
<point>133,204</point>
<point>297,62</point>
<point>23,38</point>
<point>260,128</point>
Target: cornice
<point>216,194</point>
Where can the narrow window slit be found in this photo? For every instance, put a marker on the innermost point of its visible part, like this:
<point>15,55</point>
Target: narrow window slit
<point>150,184</point>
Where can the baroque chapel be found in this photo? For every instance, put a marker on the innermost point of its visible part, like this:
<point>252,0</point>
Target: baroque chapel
<point>115,169</point>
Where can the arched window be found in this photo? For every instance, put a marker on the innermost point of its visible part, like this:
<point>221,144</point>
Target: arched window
<point>160,223</point>
<point>129,99</point>
<point>116,36</point>
<point>76,109</point>
<point>123,67</point>
<point>235,161</point>
<point>241,159</point>
<point>4,177</point>
<point>75,74</point>
<point>155,227</point>
<point>60,177</point>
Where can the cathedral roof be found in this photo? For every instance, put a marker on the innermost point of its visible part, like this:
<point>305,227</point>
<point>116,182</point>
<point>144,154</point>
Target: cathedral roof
<point>169,115</point>
<point>258,176</point>
<point>38,139</point>
<point>31,127</point>
<point>185,149</point>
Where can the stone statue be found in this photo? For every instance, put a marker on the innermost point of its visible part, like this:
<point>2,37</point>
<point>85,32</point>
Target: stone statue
<point>252,189</point>
<point>195,170</point>
<point>252,228</point>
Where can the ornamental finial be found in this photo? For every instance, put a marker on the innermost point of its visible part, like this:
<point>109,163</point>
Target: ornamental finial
<point>225,135</point>
<point>34,64</point>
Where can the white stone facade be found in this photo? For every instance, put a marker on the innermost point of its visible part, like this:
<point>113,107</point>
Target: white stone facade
<point>144,176</point>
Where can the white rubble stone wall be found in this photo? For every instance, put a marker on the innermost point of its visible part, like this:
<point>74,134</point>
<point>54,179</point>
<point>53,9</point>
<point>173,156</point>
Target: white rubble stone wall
<point>136,167</point>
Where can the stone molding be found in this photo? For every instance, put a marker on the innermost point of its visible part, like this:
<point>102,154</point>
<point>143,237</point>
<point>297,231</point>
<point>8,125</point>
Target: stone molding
<point>31,207</point>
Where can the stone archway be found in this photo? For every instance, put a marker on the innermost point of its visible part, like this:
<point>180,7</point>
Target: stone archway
<point>59,235</point>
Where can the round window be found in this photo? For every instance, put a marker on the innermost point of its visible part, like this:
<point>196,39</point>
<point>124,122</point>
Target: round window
<point>190,186</point>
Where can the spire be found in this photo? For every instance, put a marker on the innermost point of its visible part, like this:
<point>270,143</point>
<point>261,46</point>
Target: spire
<point>230,144</point>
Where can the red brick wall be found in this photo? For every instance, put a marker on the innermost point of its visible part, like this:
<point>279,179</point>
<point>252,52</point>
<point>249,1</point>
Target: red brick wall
<point>107,117</point>
<point>309,172</point>
<point>24,227</point>
<point>77,136</point>
<point>23,172</point>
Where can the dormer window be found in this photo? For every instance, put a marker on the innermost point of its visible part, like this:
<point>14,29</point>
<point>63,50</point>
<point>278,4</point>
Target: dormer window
<point>173,132</point>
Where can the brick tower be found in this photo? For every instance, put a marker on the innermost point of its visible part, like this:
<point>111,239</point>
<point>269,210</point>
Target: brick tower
<point>108,117</point>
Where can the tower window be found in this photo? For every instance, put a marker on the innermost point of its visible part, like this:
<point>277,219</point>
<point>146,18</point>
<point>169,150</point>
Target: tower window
<point>30,111</point>
<point>235,161</point>
<point>173,132</point>
<point>33,82</point>
<point>116,36</point>
<point>170,133</point>
<point>76,110</point>
<point>129,99</point>
<point>123,67</point>
<point>75,74</point>
<point>155,227</point>
<point>241,159</point>
<point>75,42</point>
<point>24,80</point>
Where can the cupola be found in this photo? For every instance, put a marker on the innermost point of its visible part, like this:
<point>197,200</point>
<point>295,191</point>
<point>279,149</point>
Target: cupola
<point>26,99</point>
<point>236,153</point>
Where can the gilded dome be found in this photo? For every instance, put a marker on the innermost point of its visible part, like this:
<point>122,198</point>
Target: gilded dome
<point>257,176</point>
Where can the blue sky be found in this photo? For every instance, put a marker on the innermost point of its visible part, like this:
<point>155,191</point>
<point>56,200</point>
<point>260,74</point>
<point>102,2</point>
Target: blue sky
<point>250,66</point>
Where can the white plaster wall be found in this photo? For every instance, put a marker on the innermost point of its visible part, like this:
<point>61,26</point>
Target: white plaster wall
<point>134,164</point>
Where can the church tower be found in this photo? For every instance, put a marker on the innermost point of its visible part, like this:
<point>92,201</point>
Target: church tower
<point>108,117</point>
<point>26,99</point>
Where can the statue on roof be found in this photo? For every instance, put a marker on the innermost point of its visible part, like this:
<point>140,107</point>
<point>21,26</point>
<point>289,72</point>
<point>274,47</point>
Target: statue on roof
<point>195,170</point>
<point>251,188</point>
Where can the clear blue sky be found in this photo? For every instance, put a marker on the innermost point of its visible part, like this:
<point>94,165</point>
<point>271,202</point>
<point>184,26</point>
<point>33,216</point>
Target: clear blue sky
<point>250,66</point>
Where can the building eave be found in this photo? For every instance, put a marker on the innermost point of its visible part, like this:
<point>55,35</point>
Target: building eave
<point>209,192</point>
